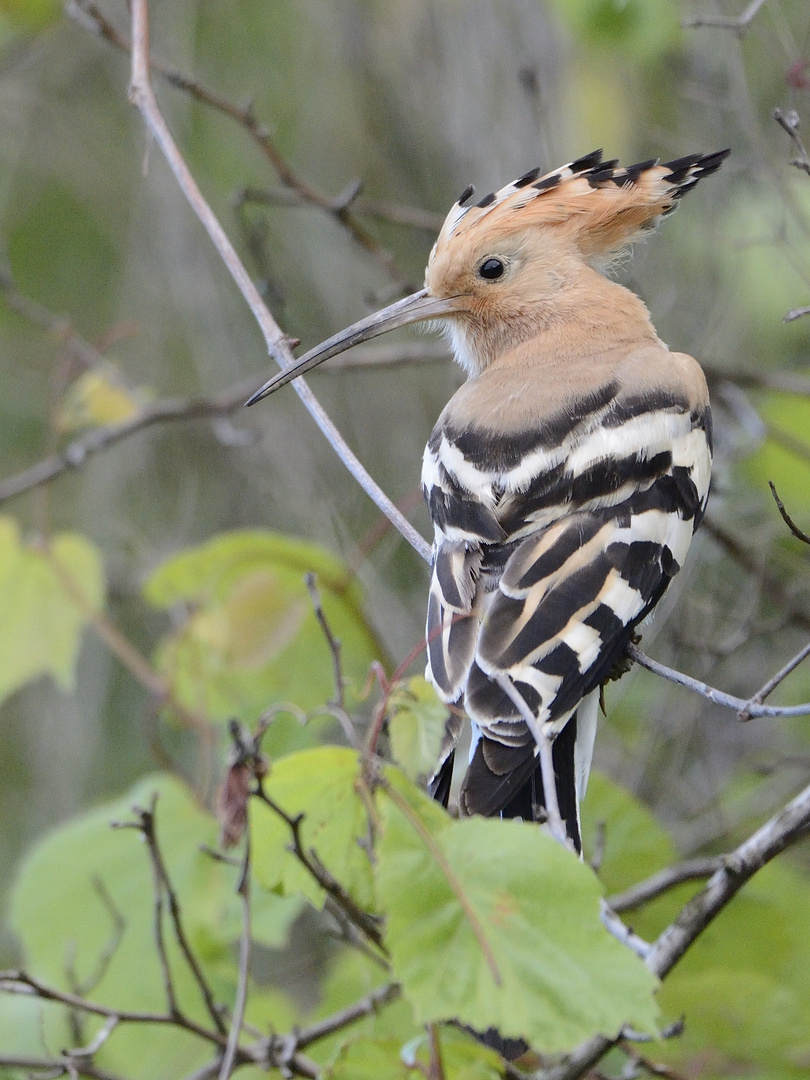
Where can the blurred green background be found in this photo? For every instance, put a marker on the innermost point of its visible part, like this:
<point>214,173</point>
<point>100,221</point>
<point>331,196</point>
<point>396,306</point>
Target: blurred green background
<point>415,99</point>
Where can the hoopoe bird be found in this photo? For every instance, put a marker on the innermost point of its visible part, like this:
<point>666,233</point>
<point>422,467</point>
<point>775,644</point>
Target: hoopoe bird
<point>565,478</point>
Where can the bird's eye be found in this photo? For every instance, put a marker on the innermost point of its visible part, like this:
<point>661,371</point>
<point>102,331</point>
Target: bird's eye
<point>491,268</point>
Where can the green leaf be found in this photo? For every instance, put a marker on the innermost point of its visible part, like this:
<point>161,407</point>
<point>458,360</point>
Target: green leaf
<point>370,1059</point>
<point>463,1058</point>
<point>416,725</point>
<point>251,637</point>
<point>323,785</point>
<point>60,909</point>
<point>47,595</point>
<point>495,924</point>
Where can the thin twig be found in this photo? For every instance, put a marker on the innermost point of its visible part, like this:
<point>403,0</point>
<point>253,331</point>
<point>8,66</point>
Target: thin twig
<point>741,25</point>
<point>746,709</point>
<point>109,950</point>
<point>788,520</point>
<point>411,216</point>
<point>768,581</point>
<point>367,1006</point>
<point>790,124</point>
<point>365,922</point>
<point>435,1070</point>
<point>775,680</point>
<point>245,940</point>
<point>76,453</point>
<point>277,343</point>
<point>87,355</point>
<point>90,16</point>
<point>98,1041</point>
<point>311,581</point>
<point>796,313</point>
<point>163,882</point>
<point>20,982</point>
<point>64,1065</point>
<point>656,885</point>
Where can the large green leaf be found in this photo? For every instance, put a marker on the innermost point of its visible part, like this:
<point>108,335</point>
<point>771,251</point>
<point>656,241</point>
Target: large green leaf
<point>495,924</point>
<point>60,911</point>
<point>47,594</point>
<point>251,637</point>
<point>323,785</point>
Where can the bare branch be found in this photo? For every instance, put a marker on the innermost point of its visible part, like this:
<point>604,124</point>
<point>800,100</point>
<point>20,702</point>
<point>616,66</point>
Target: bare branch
<point>76,453</point>
<point>86,354</point>
<point>245,940</point>
<point>740,25</point>
<point>143,98</point>
<point>790,124</point>
<point>90,16</point>
<point>366,923</point>
<point>163,882</point>
<point>64,1065</point>
<point>790,382</point>
<point>311,581</point>
<point>645,891</point>
<point>367,1006</point>
<point>788,520</point>
<point>746,709</point>
<point>773,682</point>
<point>783,829</point>
<point>410,216</point>
<point>20,982</point>
<point>109,950</point>
<point>796,313</point>
<point>768,581</point>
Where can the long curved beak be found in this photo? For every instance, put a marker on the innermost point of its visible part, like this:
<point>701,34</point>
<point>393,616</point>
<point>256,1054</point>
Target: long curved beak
<point>418,307</point>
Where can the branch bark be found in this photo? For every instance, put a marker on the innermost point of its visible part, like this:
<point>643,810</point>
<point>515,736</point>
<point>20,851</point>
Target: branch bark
<point>783,829</point>
<point>278,344</point>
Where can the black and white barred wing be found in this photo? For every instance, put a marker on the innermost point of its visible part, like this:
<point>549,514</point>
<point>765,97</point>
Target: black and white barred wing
<point>565,607</point>
<point>465,526</point>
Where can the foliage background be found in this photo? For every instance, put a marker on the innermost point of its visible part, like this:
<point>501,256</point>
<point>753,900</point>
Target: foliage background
<point>416,99</point>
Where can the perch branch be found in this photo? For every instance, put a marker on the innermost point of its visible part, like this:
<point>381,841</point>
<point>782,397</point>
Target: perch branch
<point>746,709</point>
<point>277,343</point>
<point>783,829</point>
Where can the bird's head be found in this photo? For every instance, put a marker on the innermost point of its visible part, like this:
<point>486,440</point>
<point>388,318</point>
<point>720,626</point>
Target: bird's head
<point>506,266</point>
